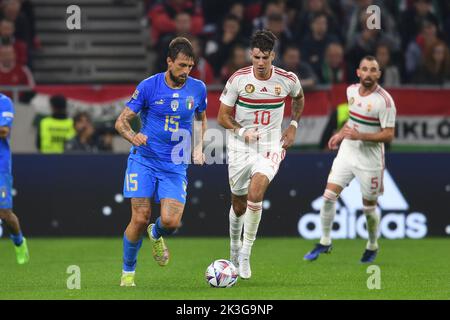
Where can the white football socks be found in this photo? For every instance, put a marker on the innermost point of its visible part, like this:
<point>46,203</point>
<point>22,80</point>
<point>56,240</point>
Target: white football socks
<point>327,213</point>
<point>373,221</point>
<point>251,223</point>
<point>236,224</point>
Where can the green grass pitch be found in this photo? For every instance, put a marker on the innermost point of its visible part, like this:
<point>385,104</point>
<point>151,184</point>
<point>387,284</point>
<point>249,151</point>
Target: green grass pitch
<point>410,269</point>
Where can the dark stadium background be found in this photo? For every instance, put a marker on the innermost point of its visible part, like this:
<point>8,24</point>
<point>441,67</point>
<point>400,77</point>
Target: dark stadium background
<point>122,42</point>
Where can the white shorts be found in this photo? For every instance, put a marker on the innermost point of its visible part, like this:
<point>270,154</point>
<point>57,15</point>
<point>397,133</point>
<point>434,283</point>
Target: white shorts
<point>243,165</point>
<point>371,181</point>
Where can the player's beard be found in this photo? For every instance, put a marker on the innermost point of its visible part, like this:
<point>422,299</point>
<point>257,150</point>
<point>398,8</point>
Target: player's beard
<point>368,84</point>
<point>179,81</point>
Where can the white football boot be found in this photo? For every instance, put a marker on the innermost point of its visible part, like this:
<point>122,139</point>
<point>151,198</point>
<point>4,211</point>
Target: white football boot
<point>244,267</point>
<point>234,255</point>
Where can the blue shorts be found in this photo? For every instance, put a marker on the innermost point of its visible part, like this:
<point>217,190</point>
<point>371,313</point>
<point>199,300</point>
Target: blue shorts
<point>145,179</point>
<point>6,181</point>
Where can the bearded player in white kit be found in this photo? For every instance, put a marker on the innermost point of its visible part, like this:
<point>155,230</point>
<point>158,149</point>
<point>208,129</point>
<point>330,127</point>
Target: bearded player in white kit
<point>256,143</point>
<point>361,154</point>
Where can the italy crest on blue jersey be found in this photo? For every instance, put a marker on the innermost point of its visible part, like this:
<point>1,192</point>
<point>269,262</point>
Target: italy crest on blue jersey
<point>164,112</point>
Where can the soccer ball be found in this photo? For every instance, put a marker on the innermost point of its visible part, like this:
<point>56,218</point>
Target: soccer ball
<point>221,274</point>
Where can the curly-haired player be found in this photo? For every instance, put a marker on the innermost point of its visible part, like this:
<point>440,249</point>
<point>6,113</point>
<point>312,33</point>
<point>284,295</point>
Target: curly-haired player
<point>256,143</point>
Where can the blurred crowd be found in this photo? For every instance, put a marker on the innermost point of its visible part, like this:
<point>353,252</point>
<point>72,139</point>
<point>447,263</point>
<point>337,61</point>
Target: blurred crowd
<point>18,39</point>
<point>320,40</point>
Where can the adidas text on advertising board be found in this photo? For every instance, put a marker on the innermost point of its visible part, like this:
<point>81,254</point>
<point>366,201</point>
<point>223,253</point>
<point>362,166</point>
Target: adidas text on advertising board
<point>396,222</point>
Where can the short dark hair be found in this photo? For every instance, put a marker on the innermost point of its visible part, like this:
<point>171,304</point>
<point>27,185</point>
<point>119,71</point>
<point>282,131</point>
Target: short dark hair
<point>58,102</point>
<point>264,40</point>
<point>80,115</point>
<point>369,58</point>
<point>180,45</point>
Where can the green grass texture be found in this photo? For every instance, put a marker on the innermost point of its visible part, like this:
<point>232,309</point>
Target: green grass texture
<point>408,269</point>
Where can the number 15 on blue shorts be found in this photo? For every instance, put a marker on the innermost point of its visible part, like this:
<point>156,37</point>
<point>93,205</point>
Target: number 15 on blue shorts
<point>143,181</point>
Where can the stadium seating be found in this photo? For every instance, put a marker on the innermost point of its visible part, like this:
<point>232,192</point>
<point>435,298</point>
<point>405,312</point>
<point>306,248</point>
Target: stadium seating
<point>111,47</point>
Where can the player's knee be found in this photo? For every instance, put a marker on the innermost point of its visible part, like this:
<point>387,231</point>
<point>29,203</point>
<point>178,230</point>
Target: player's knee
<point>239,207</point>
<point>258,186</point>
<point>5,214</point>
<point>141,211</point>
<point>170,222</point>
<point>256,196</point>
<point>141,220</point>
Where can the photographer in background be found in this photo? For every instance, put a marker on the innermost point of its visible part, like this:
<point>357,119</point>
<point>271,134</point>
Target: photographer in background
<point>87,139</point>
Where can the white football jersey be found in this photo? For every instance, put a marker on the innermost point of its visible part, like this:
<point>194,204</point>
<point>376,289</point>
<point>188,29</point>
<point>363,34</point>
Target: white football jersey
<point>259,104</point>
<point>369,114</point>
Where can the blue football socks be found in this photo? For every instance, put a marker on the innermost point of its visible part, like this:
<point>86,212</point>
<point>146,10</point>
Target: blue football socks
<point>159,230</point>
<point>130,252</point>
<point>17,239</point>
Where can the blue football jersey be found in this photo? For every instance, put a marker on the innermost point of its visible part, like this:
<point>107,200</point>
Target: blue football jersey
<point>6,120</point>
<point>166,117</point>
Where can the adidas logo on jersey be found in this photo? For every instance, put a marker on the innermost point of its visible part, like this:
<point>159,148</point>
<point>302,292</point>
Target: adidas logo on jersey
<point>263,90</point>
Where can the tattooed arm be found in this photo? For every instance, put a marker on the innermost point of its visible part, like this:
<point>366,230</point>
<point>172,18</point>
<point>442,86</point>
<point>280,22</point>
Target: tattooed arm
<point>298,104</point>
<point>124,128</point>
